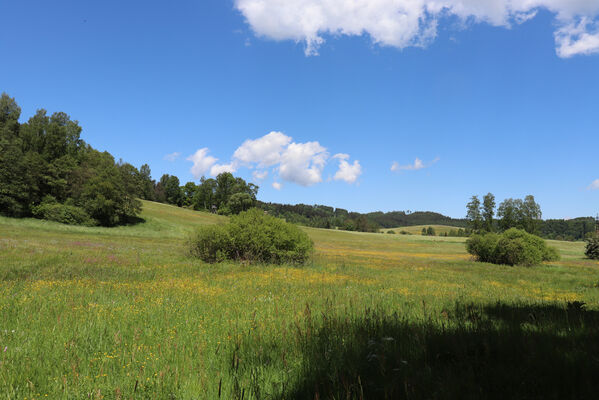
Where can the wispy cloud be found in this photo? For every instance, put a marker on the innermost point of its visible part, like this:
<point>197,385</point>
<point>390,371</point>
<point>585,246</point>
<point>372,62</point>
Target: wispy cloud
<point>594,185</point>
<point>259,175</point>
<point>172,156</point>
<point>417,165</point>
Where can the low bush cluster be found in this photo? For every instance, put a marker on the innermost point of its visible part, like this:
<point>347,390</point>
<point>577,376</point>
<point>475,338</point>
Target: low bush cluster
<point>592,250</point>
<point>52,210</point>
<point>254,237</point>
<point>512,247</point>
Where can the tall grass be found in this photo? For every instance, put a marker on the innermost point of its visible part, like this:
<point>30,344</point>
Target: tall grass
<point>123,313</point>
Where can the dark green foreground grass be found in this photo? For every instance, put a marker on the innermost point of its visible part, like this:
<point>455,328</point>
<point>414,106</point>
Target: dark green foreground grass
<point>472,352</point>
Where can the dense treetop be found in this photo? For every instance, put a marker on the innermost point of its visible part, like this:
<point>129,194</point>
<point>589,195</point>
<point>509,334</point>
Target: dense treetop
<point>48,171</point>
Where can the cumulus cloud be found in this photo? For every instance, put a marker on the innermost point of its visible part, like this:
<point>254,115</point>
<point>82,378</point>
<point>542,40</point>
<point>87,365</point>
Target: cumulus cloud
<point>202,162</point>
<point>264,151</point>
<point>277,154</point>
<point>302,163</point>
<point>594,185</point>
<point>172,156</point>
<point>220,168</point>
<point>403,23</point>
<point>418,164</point>
<point>347,172</point>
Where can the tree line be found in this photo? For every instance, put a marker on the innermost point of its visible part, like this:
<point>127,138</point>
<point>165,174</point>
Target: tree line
<point>523,214</point>
<point>511,213</point>
<point>320,216</point>
<point>225,194</point>
<point>47,171</point>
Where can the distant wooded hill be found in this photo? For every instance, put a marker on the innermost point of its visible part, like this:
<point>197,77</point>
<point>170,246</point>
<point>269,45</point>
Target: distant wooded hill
<point>321,216</point>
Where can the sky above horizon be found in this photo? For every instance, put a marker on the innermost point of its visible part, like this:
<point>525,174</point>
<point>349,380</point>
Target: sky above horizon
<point>361,104</point>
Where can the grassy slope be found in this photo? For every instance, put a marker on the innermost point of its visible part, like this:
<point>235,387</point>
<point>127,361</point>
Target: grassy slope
<point>417,229</point>
<point>121,312</point>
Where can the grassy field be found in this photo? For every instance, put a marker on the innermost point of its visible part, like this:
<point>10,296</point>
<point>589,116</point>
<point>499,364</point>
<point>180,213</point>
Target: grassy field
<point>121,313</point>
<point>417,229</point>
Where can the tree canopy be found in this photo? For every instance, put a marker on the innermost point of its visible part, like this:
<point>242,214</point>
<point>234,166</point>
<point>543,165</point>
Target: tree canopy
<point>48,171</point>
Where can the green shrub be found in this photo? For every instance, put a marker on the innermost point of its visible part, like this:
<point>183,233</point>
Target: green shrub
<point>51,210</point>
<point>592,250</point>
<point>513,247</point>
<point>252,236</point>
<point>210,243</point>
<point>483,246</point>
<point>391,232</point>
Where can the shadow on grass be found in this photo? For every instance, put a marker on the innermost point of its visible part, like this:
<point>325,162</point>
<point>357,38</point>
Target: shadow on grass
<point>472,352</point>
<point>131,221</point>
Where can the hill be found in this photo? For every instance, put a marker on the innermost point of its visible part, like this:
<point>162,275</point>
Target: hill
<point>417,229</point>
<point>401,218</point>
<point>321,216</point>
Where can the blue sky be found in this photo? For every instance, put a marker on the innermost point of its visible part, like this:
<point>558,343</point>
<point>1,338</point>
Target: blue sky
<point>460,100</point>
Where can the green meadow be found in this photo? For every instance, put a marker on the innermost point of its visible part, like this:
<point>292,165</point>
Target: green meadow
<point>417,229</point>
<point>121,313</point>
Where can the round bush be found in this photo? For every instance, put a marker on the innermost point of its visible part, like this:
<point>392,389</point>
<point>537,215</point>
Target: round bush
<point>210,243</point>
<point>513,247</point>
<point>252,236</point>
<point>483,246</point>
<point>592,250</point>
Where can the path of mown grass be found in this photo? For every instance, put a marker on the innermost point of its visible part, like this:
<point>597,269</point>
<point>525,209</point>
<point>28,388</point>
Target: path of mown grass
<point>122,312</point>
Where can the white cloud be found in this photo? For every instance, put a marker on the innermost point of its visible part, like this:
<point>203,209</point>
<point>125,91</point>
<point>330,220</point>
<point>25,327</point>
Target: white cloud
<point>403,23</point>
<point>577,38</point>
<point>594,185</point>
<point>418,164</point>
<point>259,175</point>
<point>172,156</point>
<point>410,167</point>
<point>264,151</point>
<point>276,154</point>
<point>202,162</point>
<point>302,163</point>
<point>220,168</point>
<point>347,172</point>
